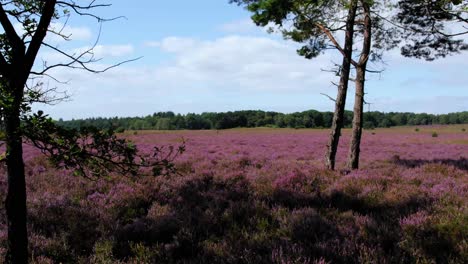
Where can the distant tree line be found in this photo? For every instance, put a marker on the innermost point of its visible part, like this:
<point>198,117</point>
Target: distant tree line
<point>257,118</point>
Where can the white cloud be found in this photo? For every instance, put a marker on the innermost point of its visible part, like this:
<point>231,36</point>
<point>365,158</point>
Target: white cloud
<point>152,44</point>
<point>108,53</point>
<point>241,72</point>
<point>174,44</point>
<point>228,73</point>
<point>246,63</point>
<point>103,51</point>
<point>76,33</point>
<point>113,50</point>
<point>72,32</point>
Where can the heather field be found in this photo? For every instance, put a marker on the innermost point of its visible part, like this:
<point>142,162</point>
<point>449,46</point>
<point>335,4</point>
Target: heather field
<point>260,196</point>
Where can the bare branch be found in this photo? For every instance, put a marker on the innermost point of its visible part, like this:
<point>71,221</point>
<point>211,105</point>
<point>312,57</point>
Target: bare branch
<point>375,71</point>
<point>79,61</point>
<point>329,97</point>
<point>51,96</point>
<point>369,105</point>
<point>82,10</point>
<point>60,31</point>
<point>342,27</point>
<point>74,59</point>
<point>333,40</point>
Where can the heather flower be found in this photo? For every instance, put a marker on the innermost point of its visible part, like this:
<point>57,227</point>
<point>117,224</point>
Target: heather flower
<point>415,220</point>
<point>261,196</point>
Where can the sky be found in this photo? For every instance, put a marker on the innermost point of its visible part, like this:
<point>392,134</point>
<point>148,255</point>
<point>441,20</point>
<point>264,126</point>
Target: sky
<point>207,56</point>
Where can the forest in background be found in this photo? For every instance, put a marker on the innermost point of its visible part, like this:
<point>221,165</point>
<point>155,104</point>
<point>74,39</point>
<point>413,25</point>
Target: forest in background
<point>256,118</point>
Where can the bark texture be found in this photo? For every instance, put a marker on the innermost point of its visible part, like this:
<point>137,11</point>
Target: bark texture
<point>15,203</point>
<point>355,149</point>
<point>16,197</point>
<point>338,117</point>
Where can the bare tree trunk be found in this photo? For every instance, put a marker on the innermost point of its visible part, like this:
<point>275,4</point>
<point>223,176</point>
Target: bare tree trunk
<point>16,198</point>
<point>338,116</point>
<point>353,159</point>
<point>354,151</point>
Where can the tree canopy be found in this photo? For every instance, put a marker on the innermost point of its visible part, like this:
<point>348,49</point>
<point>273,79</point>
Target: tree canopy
<point>258,118</point>
<point>432,29</point>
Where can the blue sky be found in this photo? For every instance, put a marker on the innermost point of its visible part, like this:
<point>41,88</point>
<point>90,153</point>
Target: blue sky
<point>207,56</point>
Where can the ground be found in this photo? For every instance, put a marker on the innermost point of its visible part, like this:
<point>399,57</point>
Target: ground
<point>261,196</point>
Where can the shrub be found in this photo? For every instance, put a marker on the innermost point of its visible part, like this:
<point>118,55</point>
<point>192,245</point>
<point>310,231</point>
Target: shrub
<point>144,231</point>
<point>436,239</point>
<point>369,125</point>
<point>416,129</point>
<point>78,227</point>
<point>103,253</point>
<point>434,134</point>
<point>307,226</point>
<point>131,208</point>
<point>53,248</point>
<point>284,209</point>
<point>120,130</point>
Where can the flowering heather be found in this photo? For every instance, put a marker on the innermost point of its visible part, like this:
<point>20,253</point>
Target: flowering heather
<point>260,196</point>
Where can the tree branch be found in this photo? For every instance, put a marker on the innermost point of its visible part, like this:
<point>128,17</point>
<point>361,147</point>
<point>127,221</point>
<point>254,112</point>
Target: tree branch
<point>329,97</point>
<point>412,29</point>
<point>81,9</point>
<point>78,59</point>
<point>333,40</point>
<point>10,32</point>
<point>41,31</point>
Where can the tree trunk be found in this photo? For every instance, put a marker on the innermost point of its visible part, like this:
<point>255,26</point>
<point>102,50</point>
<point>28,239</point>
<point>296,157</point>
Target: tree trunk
<point>16,197</point>
<point>338,116</point>
<point>353,159</point>
<point>354,151</point>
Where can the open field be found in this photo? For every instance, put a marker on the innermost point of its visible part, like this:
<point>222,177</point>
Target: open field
<point>261,196</point>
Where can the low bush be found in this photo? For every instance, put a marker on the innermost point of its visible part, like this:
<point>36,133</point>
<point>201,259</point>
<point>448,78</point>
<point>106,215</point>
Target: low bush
<point>242,203</point>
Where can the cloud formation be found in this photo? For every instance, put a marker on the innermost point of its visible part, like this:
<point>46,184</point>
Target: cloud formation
<point>245,63</point>
<point>59,32</point>
<point>103,51</point>
<point>237,72</point>
<point>71,32</point>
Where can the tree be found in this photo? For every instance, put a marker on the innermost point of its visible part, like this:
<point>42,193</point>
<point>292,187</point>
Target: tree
<point>317,25</point>
<point>89,151</point>
<point>164,123</point>
<point>430,28</point>
<point>361,67</point>
<point>314,24</point>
